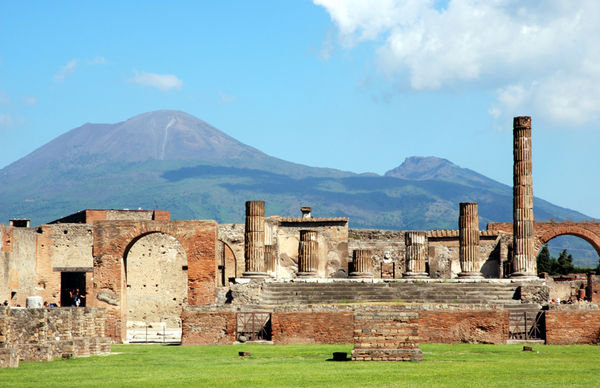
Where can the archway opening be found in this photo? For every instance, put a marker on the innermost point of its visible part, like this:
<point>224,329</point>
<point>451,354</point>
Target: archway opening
<point>226,265</point>
<point>573,252</point>
<point>156,274</point>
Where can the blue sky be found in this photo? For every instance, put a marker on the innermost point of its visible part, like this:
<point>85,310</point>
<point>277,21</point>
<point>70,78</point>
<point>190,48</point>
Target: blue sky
<point>352,85</point>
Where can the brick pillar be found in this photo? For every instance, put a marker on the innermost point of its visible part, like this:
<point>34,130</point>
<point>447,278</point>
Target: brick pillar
<point>415,254</point>
<point>308,254</point>
<point>270,259</point>
<point>254,236</point>
<point>524,255</point>
<point>468,232</point>
<point>362,263</point>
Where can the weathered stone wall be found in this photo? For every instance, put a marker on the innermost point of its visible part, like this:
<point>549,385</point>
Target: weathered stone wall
<point>46,333</point>
<point>61,248</point>
<point>386,336</point>
<point>156,281</point>
<point>231,244</point>
<point>332,241</point>
<point>326,327</point>
<point>334,324</point>
<point>17,264</point>
<point>443,251</point>
<point>570,324</point>
<point>112,239</point>
<point>387,246</point>
<point>471,326</point>
<point>208,328</point>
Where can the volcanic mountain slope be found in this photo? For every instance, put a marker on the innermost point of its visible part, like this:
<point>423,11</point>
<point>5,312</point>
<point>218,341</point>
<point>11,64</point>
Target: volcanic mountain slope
<point>172,160</point>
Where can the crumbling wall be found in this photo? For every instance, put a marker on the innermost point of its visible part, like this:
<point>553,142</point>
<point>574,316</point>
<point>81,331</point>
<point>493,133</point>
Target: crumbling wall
<point>332,237</point>
<point>387,246</point>
<point>231,236</point>
<point>17,264</point>
<point>458,326</point>
<point>156,281</point>
<point>43,334</point>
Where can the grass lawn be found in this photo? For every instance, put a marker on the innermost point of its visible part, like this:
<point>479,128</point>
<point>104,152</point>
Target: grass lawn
<point>304,366</point>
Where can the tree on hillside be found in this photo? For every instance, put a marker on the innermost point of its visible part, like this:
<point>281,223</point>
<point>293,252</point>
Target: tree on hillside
<point>543,260</point>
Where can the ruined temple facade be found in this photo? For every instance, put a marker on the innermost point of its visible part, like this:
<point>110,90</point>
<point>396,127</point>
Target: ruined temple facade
<point>145,269</point>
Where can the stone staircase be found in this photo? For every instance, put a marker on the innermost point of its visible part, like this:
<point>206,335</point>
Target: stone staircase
<point>294,293</point>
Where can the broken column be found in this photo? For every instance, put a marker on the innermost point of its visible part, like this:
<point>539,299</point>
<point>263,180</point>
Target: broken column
<point>362,263</point>
<point>415,254</point>
<point>254,236</point>
<point>270,259</point>
<point>308,254</point>
<point>468,232</point>
<point>524,256</point>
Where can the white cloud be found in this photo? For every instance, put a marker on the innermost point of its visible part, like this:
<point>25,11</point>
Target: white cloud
<point>160,81</point>
<point>226,98</point>
<point>99,60</point>
<point>5,120</point>
<point>535,55</point>
<point>66,70</point>
<point>30,100</point>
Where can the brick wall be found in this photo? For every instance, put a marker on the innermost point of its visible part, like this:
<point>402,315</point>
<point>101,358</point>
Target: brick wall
<point>46,333</point>
<point>208,328</point>
<point>472,326</point>
<point>335,324</point>
<point>327,327</point>
<point>565,327</point>
<point>112,241</point>
<point>386,336</point>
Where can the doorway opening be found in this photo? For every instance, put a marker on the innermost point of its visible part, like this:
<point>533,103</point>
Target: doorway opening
<point>70,283</point>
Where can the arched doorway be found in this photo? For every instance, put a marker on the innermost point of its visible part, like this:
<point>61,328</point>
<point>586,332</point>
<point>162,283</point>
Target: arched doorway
<point>156,279</point>
<point>226,264</point>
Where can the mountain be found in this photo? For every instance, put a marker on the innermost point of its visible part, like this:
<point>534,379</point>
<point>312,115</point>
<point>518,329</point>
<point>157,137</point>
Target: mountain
<point>172,160</point>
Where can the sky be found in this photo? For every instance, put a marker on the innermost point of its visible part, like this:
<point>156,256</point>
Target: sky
<point>353,85</point>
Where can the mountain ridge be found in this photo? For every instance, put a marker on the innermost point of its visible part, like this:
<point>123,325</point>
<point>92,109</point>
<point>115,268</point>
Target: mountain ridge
<point>175,161</point>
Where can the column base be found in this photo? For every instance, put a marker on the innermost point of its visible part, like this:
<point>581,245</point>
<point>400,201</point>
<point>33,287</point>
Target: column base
<point>255,275</point>
<point>415,275</point>
<point>366,275</point>
<point>306,274</point>
<point>470,275</point>
<point>524,276</point>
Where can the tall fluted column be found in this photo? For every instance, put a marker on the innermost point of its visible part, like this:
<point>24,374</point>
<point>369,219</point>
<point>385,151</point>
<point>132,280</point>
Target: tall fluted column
<point>415,255</point>
<point>468,232</point>
<point>270,259</point>
<point>362,263</point>
<point>254,236</point>
<point>308,254</point>
<point>524,256</point>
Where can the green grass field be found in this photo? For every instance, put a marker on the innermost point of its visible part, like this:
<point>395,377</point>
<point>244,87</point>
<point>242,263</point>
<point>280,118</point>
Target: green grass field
<point>303,366</point>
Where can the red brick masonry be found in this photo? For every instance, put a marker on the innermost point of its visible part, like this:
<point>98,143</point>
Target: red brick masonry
<point>566,327</point>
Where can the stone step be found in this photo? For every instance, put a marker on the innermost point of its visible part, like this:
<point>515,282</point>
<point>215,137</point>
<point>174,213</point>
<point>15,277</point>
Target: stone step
<point>336,292</point>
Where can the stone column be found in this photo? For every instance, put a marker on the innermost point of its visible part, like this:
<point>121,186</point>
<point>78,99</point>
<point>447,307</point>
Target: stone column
<point>362,263</point>
<point>254,236</point>
<point>468,232</point>
<point>415,255</point>
<point>270,259</point>
<point>524,255</point>
<point>308,254</point>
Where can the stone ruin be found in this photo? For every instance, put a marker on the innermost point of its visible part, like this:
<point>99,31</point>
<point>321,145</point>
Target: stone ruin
<point>300,279</point>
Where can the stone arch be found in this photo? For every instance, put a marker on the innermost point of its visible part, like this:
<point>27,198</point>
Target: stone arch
<point>156,284</point>
<point>547,233</point>
<point>114,239</point>
<point>227,263</point>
